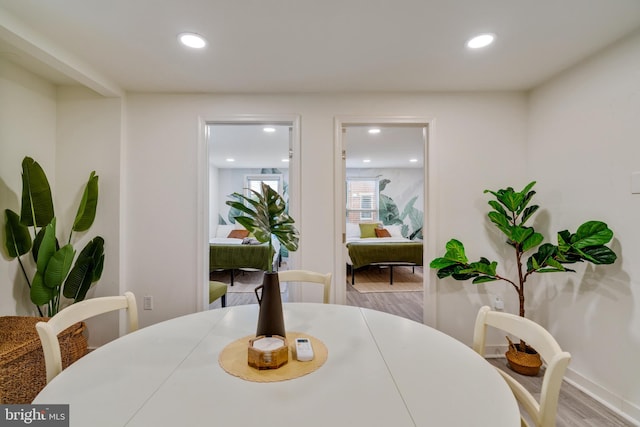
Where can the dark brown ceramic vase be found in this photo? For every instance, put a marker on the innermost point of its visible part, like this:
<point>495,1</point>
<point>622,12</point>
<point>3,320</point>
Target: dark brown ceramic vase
<point>270,319</point>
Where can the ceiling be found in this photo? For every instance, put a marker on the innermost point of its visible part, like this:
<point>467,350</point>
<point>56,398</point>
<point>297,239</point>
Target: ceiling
<point>296,46</point>
<point>286,46</point>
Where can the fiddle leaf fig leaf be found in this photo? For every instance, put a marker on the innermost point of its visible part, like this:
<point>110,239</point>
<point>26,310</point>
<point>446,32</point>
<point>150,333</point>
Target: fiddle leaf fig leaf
<point>520,234</point>
<point>455,251</point>
<point>483,266</point>
<point>591,233</point>
<point>17,239</point>
<point>532,241</point>
<point>541,258</point>
<point>526,214</point>
<point>599,255</point>
<point>88,205</point>
<point>484,279</point>
<point>501,221</point>
<point>498,207</point>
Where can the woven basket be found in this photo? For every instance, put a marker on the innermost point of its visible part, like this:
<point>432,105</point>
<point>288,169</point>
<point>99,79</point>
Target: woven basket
<point>22,370</point>
<point>523,362</point>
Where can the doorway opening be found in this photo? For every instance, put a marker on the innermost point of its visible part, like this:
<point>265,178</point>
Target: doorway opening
<point>243,153</point>
<point>383,191</point>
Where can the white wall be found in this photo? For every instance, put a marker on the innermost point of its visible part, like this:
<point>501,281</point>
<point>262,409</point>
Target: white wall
<point>480,143</point>
<point>27,128</point>
<point>88,139</point>
<point>583,146</point>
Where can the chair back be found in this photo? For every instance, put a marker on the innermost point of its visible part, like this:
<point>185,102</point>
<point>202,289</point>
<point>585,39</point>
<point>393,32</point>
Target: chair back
<point>543,411</point>
<point>48,331</point>
<point>308,276</point>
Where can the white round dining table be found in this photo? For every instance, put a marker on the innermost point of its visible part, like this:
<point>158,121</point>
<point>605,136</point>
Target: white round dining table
<point>381,370</point>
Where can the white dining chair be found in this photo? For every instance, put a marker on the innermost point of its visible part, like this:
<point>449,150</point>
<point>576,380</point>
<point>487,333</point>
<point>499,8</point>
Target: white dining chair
<point>48,331</point>
<point>309,277</point>
<point>542,412</point>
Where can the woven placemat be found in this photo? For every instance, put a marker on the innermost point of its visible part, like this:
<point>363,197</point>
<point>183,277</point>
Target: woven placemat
<point>233,359</point>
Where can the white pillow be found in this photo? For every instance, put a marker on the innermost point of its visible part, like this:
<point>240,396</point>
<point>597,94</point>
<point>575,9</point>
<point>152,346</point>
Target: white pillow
<point>353,231</point>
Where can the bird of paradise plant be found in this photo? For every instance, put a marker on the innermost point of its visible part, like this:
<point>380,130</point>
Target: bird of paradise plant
<point>58,272</point>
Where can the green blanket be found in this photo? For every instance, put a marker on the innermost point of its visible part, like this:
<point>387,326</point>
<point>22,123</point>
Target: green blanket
<point>368,253</point>
<point>239,256</point>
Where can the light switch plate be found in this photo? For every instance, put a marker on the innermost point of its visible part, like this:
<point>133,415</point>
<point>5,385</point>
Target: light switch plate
<point>635,182</point>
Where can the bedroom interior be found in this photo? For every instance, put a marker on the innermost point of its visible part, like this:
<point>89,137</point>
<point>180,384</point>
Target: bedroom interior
<point>384,215</point>
<point>386,159</point>
<point>242,155</point>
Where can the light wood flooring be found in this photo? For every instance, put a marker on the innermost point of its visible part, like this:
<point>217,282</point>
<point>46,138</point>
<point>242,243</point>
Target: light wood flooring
<point>576,409</point>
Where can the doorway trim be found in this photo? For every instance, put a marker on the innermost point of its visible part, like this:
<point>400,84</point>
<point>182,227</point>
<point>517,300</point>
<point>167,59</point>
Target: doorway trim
<point>202,220</point>
<point>430,198</point>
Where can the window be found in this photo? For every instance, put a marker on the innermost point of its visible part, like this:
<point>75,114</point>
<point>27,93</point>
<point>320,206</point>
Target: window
<point>254,182</point>
<point>362,200</point>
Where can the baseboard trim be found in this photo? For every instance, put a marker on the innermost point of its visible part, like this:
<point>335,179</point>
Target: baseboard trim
<point>617,404</point>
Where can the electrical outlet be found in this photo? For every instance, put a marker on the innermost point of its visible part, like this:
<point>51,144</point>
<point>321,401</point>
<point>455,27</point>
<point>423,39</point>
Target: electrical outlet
<point>498,304</point>
<point>147,302</point>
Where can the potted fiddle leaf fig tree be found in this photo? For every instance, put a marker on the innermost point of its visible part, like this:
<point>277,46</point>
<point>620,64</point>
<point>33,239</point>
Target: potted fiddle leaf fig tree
<point>58,272</point>
<point>265,216</point>
<point>510,212</point>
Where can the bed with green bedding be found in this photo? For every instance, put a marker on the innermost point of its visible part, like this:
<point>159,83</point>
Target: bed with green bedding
<point>383,251</point>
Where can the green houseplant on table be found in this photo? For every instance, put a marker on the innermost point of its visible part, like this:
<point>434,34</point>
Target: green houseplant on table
<point>511,211</point>
<point>265,216</point>
<point>58,272</point>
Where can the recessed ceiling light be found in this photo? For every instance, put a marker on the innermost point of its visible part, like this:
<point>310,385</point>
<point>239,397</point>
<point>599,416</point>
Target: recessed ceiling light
<point>413,160</point>
<point>366,161</point>
<point>285,160</point>
<point>269,129</point>
<point>374,130</point>
<point>480,41</point>
<point>192,40</point>
<point>230,160</point>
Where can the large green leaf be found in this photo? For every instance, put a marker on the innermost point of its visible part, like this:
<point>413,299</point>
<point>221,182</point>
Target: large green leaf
<point>40,294</point>
<point>591,233</point>
<point>455,251</point>
<point>501,221</point>
<point>58,267</point>
<point>266,216</point>
<point>82,274</point>
<point>599,254</point>
<point>37,203</point>
<point>519,234</point>
<point>541,258</point>
<point>17,239</point>
<point>38,241</point>
<point>47,246</point>
<point>483,267</point>
<point>87,210</point>
<point>526,214</point>
<point>498,207</point>
<point>532,241</point>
